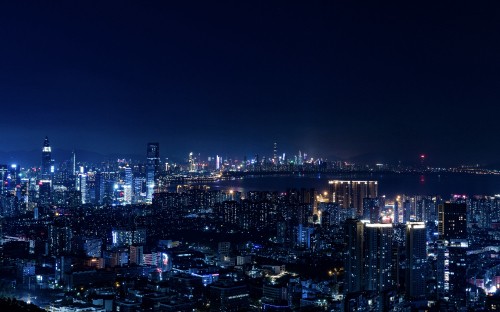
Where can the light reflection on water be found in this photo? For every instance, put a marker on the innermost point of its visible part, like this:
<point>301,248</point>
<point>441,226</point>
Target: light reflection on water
<point>389,184</point>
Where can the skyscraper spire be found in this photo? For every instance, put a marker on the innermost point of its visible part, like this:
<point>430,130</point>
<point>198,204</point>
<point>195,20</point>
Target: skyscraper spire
<point>46,145</point>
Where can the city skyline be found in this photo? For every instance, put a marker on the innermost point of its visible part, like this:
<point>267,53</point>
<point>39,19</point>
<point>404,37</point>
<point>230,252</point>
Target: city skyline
<point>275,156</point>
<point>30,157</point>
<point>249,156</point>
<point>334,79</point>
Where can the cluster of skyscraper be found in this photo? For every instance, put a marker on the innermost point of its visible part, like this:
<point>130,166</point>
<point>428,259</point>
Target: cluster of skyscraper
<point>390,246</point>
<point>385,254</point>
<point>73,184</point>
<point>120,183</point>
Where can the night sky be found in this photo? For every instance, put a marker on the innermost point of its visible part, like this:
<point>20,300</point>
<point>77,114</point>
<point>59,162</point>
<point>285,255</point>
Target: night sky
<point>341,79</point>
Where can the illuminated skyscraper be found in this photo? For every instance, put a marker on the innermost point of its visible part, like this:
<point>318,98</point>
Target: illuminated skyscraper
<point>369,259</point>
<point>217,162</point>
<point>99,188</point>
<point>417,255</point>
<point>3,177</point>
<point>192,165</point>
<point>407,205</point>
<point>275,153</point>
<point>350,194</point>
<point>152,168</point>
<point>73,163</point>
<point>59,238</point>
<point>452,219</point>
<point>354,234</point>
<point>127,187</point>
<point>371,209</point>
<point>452,253</point>
<point>46,160</point>
<point>378,257</point>
<point>82,177</point>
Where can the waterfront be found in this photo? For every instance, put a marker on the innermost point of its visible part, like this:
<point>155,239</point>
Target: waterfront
<point>390,184</point>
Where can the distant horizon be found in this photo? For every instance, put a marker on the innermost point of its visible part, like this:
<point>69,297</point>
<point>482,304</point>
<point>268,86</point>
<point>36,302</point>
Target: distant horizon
<point>366,158</point>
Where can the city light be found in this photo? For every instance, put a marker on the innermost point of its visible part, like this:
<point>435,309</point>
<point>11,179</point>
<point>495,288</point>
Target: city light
<point>256,156</point>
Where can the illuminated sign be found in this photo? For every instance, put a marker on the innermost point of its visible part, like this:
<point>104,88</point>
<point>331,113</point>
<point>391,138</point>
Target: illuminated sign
<point>166,262</point>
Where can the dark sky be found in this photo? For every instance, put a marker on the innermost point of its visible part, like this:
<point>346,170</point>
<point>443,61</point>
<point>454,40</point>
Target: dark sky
<point>329,78</point>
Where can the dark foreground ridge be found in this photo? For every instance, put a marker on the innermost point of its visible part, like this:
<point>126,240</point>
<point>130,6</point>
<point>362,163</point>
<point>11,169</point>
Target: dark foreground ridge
<point>14,305</point>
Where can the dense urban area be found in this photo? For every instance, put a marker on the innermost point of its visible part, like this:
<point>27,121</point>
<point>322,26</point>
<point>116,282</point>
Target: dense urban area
<point>156,236</point>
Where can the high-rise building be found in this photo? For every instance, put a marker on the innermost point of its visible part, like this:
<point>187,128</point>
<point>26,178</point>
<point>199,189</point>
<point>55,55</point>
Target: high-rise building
<point>44,192</point>
<point>452,221</point>
<point>152,168</point>
<point>407,210</point>
<point>371,209</point>
<point>59,236</point>
<point>3,178</point>
<point>217,162</point>
<point>73,163</point>
<point>303,238</point>
<point>46,160</point>
<point>416,254</point>
<point>91,187</point>
<point>396,213</point>
<point>127,187</point>
<point>82,187</point>
<point>350,194</point>
<point>354,234</point>
<point>192,164</point>
<point>369,264</point>
<point>136,254</point>
<point>99,187</point>
<point>275,153</point>
<point>378,257</point>
<point>452,253</point>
